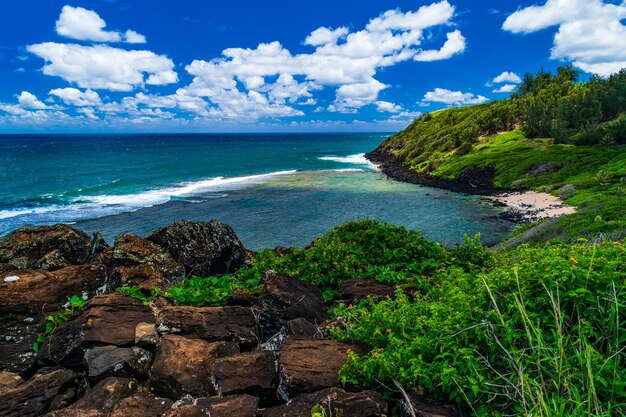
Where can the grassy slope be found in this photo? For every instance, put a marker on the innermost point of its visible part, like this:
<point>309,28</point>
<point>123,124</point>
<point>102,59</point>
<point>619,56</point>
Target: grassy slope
<point>438,146</point>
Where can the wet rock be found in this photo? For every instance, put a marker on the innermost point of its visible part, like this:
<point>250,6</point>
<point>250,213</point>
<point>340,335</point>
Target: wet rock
<point>48,390</point>
<point>108,319</point>
<point>291,298</point>
<point>146,335</point>
<point>19,332</point>
<point>106,361</point>
<point>359,288</point>
<point>9,380</point>
<point>310,365</point>
<point>141,405</point>
<point>185,366</point>
<point>335,402</point>
<point>251,373</point>
<point>45,247</point>
<point>46,291</point>
<point>205,249</point>
<point>234,406</point>
<point>106,395</point>
<point>414,405</point>
<point>139,262</point>
<point>232,324</point>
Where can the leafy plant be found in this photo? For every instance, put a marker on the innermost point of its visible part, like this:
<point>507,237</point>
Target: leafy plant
<point>52,321</point>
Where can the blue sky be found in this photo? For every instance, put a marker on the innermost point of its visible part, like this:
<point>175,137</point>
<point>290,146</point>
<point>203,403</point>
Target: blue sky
<point>214,66</point>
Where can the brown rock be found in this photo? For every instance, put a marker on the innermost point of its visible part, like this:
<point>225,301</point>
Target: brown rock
<point>292,298</point>
<point>48,390</point>
<point>185,366</point>
<point>106,361</point>
<point>106,319</point>
<point>189,410</point>
<point>235,406</point>
<point>310,365</point>
<point>142,405</point>
<point>334,402</point>
<point>251,373</point>
<point>76,413</point>
<point>414,405</point>
<point>45,247</point>
<point>354,290</point>
<point>205,249</point>
<point>232,324</point>
<point>106,395</point>
<point>146,335</point>
<point>297,329</point>
<point>9,380</point>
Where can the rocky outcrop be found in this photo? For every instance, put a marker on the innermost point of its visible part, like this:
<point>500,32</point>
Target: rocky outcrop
<point>292,298</point>
<point>142,405</point>
<point>232,406</point>
<point>107,361</point>
<point>354,290</point>
<point>252,373</point>
<point>45,247</point>
<point>205,249</point>
<point>231,324</point>
<point>106,395</point>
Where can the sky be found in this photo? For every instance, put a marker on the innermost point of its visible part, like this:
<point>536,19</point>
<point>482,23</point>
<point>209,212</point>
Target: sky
<point>283,66</point>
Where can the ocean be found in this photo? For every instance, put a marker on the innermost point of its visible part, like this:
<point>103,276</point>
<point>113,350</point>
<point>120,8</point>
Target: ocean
<point>274,189</point>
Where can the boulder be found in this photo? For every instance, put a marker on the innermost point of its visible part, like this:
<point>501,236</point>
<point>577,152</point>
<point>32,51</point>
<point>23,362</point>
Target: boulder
<point>205,249</point>
<point>292,298</point>
<point>109,319</point>
<point>9,380</point>
<point>106,395</point>
<point>297,329</point>
<point>19,332</point>
<point>334,402</point>
<point>251,373</point>
<point>142,405</point>
<point>45,247</point>
<point>139,262</point>
<point>309,365</point>
<point>231,324</point>
<point>234,406</point>
<point>48,390</point>
<point>106,361</point>
<point>146,335</point>
<point>185,366</point>
<point>47,291</point>
<point>354,290</point>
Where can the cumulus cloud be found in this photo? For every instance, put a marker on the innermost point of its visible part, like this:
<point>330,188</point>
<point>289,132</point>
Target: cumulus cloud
<point>388,107</point>
<point>452,98</point>
<point>507,77</point>
<point>454,45</point>
<point>590,32</point>
<point>104,67</point>
<point>86,25</point>
<point>506,88</point>
<point>323,35</point>
<point>75,97</point>
<point>28,100</point>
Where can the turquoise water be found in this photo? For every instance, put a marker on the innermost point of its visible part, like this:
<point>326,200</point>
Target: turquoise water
<point>274,189</point>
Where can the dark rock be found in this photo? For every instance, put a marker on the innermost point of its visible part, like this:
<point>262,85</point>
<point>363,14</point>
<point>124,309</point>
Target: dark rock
<point>231,324</point>
<point>185,366</point>
<point>45,247</point>
<point>98,245</point>
<point>296,328</point>
<point>234,406</point>
<point>108,319</point>
<point>46,291</point>
<point>142,405</point>
<point>359,288</point>
<point>242,297</point>
<point>106,395</point>
<point>205,249</point>
<point>48,390</point>
<point>308,365</point>
<point>189,410</point>
<point>19,332</point>
<point>105,361</point>
<point>414,405</point>
<point>543,169</point>
<point>140,262</point>
<point>9,380</point>
<point>281,251</point>
<point>146,335</point>
<point>251,373</point>
<point>335,402</point>
<point>291,298</point>
<point>76,413</point>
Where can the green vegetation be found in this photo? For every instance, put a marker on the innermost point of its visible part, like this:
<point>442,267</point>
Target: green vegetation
<point>552,133</point>
<point>74,303</point>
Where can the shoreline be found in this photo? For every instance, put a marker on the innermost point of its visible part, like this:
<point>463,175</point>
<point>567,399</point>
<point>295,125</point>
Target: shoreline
<point>521,206</point>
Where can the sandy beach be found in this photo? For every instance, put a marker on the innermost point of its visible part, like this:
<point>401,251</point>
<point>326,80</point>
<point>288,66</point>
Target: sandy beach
<point>532,206</point>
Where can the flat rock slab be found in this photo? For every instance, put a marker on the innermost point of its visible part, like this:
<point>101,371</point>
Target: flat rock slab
<point>205,249</point>
<point>106,361</point>
<point>334,402</point>
<point>311,365</point>
<point>232,324</point>
<point>185,366</point>
<point>106,319</point>
<point>251,373</point>
<point>106,394</point>
<point>142,405</point>
<point>47,391</point>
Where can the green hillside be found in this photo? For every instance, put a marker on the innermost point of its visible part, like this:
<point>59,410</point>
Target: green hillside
<point>554,134</point>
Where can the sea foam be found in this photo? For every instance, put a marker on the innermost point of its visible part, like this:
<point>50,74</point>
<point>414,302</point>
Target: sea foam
<point>356,159</point>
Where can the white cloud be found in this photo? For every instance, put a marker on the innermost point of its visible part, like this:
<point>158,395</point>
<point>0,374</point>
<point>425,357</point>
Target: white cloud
<point>85,25</point>
<point>507,77</point>
<point>506,88</point>
<point>454,45</point>
<point>322,36</point>
<point>454,98</point>
<point>590,32</point>
<point>133,37</point>
<point>28,100</point>
<point>387,107</point>
<point>75,97</point>
<point>104,67</point>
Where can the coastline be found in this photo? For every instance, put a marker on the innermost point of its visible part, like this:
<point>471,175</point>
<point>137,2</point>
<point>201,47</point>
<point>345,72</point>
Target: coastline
<point>521,206</point>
